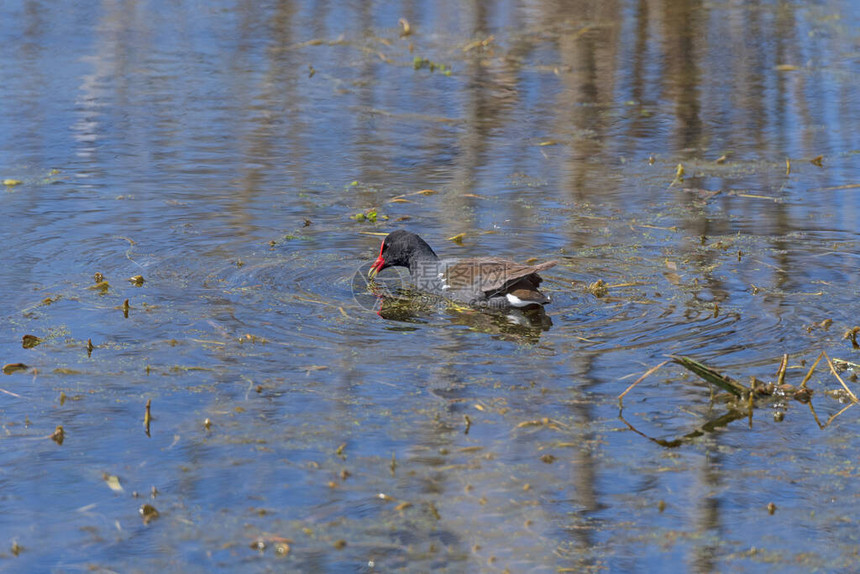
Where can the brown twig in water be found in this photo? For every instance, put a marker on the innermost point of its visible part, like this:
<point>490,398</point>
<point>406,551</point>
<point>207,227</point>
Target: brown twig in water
<point>835,374</point>
<point>636,382</point>
<point>832,370</point>
<point>783,366</point>
<point>811,370</point>
<point>147,416</point>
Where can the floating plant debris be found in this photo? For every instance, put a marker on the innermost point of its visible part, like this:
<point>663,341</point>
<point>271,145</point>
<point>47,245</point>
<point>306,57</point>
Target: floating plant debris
<point>679,174</point>
<point>851,335</point>
<point>458,239</point>
<point>10,368</point>
<point>112,482</point>
<point>147,416</point>
<point>712,376</point>
<point>419,63</point>
<point>598,288</point>
<point>370,215</point>
<point>405,27</point>
<point>747,395</point>
<point>148,512</point>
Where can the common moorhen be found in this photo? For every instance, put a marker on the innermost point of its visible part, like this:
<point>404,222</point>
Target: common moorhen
<point>481,282</point>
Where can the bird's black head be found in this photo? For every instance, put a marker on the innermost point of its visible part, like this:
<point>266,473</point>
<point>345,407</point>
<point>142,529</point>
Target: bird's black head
<point>401,248</point>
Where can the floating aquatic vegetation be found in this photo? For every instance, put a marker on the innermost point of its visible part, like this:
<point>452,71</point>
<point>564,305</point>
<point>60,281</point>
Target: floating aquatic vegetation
<point>112,482</point>
<point>405,27</point>
<point>484,43</point>
<point>148,512</point>
<point>679,174</point>
<point>544,422</point>
<point>745,397</point>
<point>402,198</point>
<point>370,215</point>
<point>10,368</point>
<point>851,335</point>
<point>458,239</point>
<point>598,288</point>
<point>101,284</point>
<point>59,435</point>
<point>419,63</point>
<point>712,376</point>
<point>833,371</point>
<point>147,416</point>
<point>281,545</point>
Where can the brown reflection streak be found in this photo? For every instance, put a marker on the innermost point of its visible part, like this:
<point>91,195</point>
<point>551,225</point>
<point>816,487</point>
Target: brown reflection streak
<point>681,29</point>
<point>280,91</point>
<point>639,77</point>
<point>708,510</point>
<point>585,469</point>
<point>483,112</point>
<point>587,49</point>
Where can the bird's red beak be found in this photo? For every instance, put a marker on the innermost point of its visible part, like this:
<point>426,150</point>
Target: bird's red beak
<point>376,267</point>
<point>378,264</point>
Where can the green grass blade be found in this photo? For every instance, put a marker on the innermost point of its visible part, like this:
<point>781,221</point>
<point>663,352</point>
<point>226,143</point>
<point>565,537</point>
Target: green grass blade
<point>712,376</point>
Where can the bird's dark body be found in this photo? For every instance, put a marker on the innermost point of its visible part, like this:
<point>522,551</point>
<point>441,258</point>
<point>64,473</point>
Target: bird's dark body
<point>482,282</point>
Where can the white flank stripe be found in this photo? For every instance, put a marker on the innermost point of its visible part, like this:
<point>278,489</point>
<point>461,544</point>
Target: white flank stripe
<point>517,302</point>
